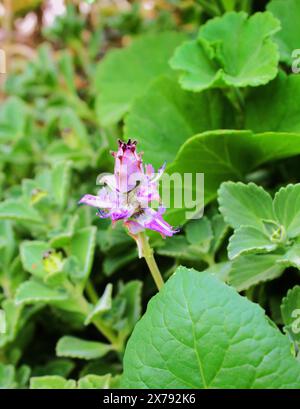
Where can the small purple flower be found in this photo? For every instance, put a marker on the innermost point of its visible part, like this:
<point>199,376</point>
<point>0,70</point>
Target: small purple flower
<point>128,193</point>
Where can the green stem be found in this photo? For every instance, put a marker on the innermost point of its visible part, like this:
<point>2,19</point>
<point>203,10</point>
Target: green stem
<point>147,253</point>
<point>209,8</point>
<point>91,292</point>
<point>85,308</point>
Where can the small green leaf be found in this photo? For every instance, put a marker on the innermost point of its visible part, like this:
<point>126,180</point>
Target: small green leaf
<point>7,376</point>
<point>72,347</point>
<point>13,209</point>
<point>32,253</point>
<point>83,247</point>
<point>290,311</point>
<point>94,382</point>
<point>61,366</point>
<point>252,269</point>
<point>32,292</point>
<point>245,205</point>
<point>104,304</point>
<point>199,333</point>
<point>61,175</point>
<point>12,119</point>
<point>247,239</point>
<point>51,382</point>
<point>216,59</point>
<point>287,209</point>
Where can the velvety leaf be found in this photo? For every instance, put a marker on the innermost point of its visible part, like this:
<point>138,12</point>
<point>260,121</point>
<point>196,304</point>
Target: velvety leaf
<point>287,208</point>
<point>72,347</point>
<point>291,258</point>
<point>7,242</point>
<point>199,333</point>
<point>216,59</point>
<point>51,382</point>
<point>249,270</point>
<point>94,382</point>
<point>104,304</point>
<point>290,311</point>
<point>12,119</point>
<point>288,13</point>
<point>11,316</point>
<point>61,182</point>
<point>245,205</point>
<point>183,115</point>
<point>13,209</point>
<point>32,256</point>
<point>124,74</point>
<point>265,110</point>
<point>247,239</point>
<point>83,247</point>
<point>7,376</point>
<point>32,292</point>
<point>60,366</point>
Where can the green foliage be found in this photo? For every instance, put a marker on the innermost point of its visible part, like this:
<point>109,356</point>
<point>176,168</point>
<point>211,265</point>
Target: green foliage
<point>210,87</point>
<point>141,62</point>
<point>197,316</point>
<point>215,59</point>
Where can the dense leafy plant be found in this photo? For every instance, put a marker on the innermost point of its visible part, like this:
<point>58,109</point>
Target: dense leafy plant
<point>209,88</point>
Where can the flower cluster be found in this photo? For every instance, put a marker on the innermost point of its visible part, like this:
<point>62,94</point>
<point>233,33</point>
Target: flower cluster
<point>128,193</point>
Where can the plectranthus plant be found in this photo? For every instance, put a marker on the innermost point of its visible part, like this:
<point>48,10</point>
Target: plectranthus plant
<point>128,195</point>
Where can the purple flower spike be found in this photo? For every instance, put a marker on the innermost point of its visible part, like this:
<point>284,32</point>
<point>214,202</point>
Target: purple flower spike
<point>128,193</point>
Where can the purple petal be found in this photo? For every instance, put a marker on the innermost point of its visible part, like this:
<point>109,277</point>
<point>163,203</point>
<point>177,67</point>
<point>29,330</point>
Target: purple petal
<point>94,201</point>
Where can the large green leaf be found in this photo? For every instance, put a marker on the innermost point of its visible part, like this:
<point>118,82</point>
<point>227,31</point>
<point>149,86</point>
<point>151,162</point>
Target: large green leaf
<point>288,12</point>
<point>265,110</point>
<point>199,333</point>
<point>219,155</point>
<point>124,74</point>
<point>225,155</point>
<point>161,132</point>
<point>217,59</point>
